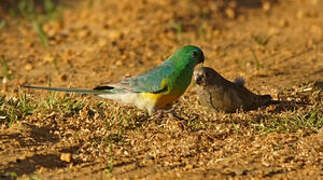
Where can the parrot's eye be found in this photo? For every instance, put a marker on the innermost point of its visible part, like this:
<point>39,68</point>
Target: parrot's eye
<point>194,54</point>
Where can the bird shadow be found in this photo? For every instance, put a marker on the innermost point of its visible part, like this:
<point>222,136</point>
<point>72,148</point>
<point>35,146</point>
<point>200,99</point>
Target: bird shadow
<point>28,165</point>
<point>37,134</point>
<point>284,105</point>
<point>31,164</point>
<point>243,4</point>
<point>253,3</point>
<point>29,136</point>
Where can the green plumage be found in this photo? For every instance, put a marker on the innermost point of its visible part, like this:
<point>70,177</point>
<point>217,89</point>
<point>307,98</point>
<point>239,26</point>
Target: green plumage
<point>168,80</point>
<point>178,68</point>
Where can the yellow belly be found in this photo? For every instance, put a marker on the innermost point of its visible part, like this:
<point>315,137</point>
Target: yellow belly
<point>160,100</point>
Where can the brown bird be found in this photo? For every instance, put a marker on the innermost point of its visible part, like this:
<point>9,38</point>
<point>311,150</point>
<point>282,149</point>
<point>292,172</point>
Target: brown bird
<point>218,93</point>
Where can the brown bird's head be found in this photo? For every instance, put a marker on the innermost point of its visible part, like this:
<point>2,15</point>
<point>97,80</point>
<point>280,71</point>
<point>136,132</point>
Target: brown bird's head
<point>203,75</point>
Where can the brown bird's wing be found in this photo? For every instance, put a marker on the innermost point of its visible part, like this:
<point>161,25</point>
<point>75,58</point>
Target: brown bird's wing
<point>249,100</point>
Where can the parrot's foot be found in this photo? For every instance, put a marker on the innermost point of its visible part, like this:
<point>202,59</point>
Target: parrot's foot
<point>161,113</point>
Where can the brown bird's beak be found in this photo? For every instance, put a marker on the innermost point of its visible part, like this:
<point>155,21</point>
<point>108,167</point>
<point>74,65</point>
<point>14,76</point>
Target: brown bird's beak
<point>198,80</point>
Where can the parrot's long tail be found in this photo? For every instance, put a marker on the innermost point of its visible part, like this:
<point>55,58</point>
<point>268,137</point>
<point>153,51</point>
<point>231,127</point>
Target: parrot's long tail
<point>69,90</point>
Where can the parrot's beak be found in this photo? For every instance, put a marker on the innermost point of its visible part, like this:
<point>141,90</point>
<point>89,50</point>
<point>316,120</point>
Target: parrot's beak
<point>202,58</point>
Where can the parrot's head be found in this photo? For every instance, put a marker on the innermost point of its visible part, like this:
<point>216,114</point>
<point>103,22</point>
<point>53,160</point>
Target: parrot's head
<point>203,75</point>
<point>188,56</point>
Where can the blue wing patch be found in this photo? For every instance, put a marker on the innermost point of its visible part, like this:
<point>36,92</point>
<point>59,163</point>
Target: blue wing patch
<point>149,81</point>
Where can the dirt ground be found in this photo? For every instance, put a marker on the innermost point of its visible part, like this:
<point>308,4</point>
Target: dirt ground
<point>276,45</point>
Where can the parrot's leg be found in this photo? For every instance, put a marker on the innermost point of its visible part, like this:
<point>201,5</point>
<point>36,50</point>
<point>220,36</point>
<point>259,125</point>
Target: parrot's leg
<point>150,111</point>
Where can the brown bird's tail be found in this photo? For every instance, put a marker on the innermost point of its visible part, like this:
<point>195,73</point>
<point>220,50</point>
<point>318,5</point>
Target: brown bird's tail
<point>264,100</point>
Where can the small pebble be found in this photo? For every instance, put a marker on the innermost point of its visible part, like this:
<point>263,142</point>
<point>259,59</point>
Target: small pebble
<point>28,67</point>
<point>266,6</point>
<point>230,13</point>
<point>67,157</point>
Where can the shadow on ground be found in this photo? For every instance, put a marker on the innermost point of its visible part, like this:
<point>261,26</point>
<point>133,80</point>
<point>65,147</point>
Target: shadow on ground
<point>38,135</point>
<point>37,161</point>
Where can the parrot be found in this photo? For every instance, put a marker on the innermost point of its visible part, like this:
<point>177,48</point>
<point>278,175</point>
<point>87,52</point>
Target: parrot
<point>152,90</point>
<point>219,94</point>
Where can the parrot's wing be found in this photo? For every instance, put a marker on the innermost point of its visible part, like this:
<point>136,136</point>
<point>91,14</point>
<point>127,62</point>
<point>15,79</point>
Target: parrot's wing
<point>149,81</point>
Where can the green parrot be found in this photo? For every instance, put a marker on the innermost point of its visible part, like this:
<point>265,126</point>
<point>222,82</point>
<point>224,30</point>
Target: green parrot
<point>154,89</point>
